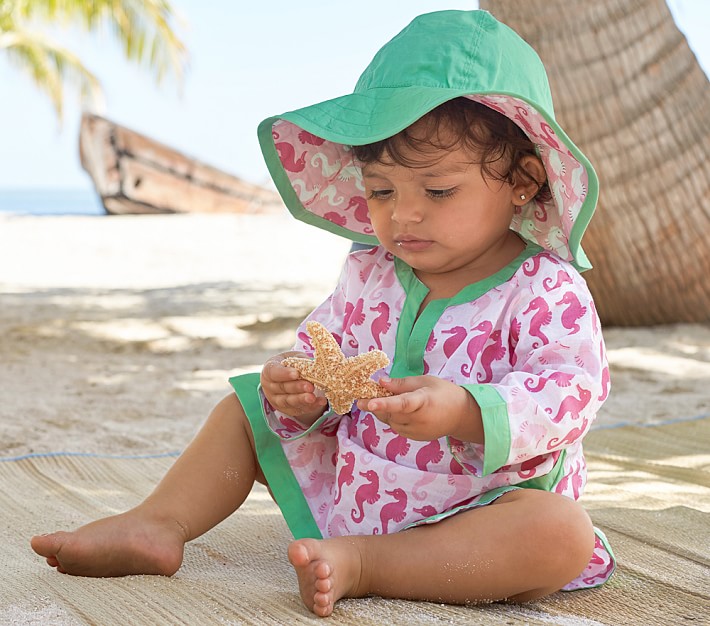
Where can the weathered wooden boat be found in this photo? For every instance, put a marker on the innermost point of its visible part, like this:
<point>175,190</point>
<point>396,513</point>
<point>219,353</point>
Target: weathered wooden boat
<point>135,174</point>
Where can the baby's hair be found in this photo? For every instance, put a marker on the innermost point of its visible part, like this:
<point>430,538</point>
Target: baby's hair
<point>488,136</point>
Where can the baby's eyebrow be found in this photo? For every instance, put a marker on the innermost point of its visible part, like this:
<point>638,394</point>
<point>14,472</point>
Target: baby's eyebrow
<point>451,168</point>
<point>369,173</point>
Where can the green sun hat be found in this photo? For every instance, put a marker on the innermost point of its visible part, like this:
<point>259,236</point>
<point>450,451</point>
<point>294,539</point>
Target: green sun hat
<point>438,57</point>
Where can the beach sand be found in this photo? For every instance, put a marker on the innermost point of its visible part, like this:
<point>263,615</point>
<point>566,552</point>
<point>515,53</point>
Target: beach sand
<point>118,334</point>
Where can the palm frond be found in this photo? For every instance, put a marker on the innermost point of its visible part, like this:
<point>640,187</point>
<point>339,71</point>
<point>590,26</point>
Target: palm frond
<point>144,28</point>
<point>50,66</point>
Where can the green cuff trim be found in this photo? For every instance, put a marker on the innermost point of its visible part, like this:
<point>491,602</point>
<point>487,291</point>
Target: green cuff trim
<point>496,426</point>
<point>272,460</point>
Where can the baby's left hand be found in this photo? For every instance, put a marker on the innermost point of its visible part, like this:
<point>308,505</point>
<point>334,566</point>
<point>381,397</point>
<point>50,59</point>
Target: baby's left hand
<point>425,408</point>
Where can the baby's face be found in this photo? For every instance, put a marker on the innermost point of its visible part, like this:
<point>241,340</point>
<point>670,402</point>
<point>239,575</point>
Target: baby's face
<point>441,216</point>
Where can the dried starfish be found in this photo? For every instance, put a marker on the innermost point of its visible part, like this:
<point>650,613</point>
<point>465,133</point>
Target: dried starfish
<point>343,380</point>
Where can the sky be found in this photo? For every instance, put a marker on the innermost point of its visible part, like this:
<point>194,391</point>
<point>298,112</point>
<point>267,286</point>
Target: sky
<point>244,65</point>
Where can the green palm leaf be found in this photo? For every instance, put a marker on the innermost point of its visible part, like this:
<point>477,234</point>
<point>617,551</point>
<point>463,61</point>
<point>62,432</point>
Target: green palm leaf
<point>142,27</point>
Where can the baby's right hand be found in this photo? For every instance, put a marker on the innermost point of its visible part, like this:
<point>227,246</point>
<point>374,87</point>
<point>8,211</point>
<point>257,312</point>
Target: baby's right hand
<point>287,392</point>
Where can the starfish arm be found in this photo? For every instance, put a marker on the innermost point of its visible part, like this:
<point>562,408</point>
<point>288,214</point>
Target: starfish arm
<point>325,346</point>
<point>371,389</point>
<point>343,380</point>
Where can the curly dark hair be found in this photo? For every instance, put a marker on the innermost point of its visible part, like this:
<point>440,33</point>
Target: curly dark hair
<point>488,136</point>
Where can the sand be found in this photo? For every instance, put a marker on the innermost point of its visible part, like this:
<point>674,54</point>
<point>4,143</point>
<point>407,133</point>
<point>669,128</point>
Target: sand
<point>118,334</point>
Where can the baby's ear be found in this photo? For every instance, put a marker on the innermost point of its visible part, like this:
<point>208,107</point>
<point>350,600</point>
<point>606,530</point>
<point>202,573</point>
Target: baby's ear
<point>527,186</point>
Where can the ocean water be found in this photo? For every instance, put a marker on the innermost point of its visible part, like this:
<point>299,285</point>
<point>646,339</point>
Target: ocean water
<point>50,202</point>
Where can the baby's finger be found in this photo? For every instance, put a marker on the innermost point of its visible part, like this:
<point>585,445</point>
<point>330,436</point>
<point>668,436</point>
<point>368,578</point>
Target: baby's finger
<point>278,373</point>
<point>297,404</point>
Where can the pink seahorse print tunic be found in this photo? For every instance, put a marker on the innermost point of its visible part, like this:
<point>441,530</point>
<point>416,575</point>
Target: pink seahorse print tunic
<point>526,343</point>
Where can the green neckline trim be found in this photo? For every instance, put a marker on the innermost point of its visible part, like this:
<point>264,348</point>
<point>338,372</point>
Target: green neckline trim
<point>272,460</point>
<point>413,332</point>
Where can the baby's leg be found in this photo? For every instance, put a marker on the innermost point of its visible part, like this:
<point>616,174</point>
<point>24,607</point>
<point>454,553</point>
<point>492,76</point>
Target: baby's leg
<point>523,546</point>
<point>209,481</point>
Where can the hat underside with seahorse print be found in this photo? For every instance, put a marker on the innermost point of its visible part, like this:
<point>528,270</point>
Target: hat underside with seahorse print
<point>308,151</point>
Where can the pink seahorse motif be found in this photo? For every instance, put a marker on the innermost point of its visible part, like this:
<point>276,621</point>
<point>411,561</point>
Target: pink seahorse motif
<point>336,218</point>
<point>573,479</point>
<point>370,438</point>
<point>458,334</point>
<point>561,379</point>
<point>305,340</point>
<point>513,338</point>
<point>492,352</point>
<point>570,437</point>
<point>287,156</point>
<point>368,493</point>
<point>527,468</point>
<point>345,474</point>
<point>461,492</point>
<point>426,511</point>
<point>430,453</point>
<point>520,119</point>
<point>530,432</point>
<point>397,446</point>
<point>352,424</point>
<point>306,451</point>
<point>475,345</point>
<point>317,482</point>
<point>541,318</point>
<point>531,266</point>
<point>361,213</point>
<point>572,313</point>
<point>606,384</point>
<point>354,315</point>
<point>290,427</point>
<point>599,549</point>
<point>392,511</point>
<point>417,488</point>
<point>562,278</point>
<point>385,280</point>
<point>549,135</point>
<point>381,324</point>
<point>558,355</point>
<point>573,405</point>
<point>305,137</point>
<point>338,526</point>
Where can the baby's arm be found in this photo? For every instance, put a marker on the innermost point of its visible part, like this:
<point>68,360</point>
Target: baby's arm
<point>425,408</point>
<point>287,392</point>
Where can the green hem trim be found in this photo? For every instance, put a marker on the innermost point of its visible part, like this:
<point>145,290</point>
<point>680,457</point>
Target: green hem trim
<point>548,481</point>
<point>282,483</point>
<point>496,426</point>
<point>484,500</point>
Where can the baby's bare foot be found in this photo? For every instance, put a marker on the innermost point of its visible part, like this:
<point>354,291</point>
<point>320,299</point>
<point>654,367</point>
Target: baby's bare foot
<point>327,570</point>
<point>129,543</point>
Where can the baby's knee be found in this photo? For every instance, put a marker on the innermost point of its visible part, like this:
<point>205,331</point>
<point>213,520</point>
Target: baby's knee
<point>563,528</point>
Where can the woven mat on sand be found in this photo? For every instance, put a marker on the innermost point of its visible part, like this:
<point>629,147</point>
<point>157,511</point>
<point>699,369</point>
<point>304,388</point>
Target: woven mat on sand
<point>649,490</point>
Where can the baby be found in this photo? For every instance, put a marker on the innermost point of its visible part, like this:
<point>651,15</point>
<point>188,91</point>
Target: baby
<point>458,484</point>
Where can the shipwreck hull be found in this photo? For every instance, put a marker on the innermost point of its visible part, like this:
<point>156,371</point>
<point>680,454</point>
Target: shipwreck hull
<point>135,174</point>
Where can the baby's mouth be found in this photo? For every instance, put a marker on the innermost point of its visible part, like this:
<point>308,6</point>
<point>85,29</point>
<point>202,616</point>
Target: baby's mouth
<point>412,244</point>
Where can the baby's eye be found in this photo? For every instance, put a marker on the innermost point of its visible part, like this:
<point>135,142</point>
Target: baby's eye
<point>380,194</point>
<point>439,194</point>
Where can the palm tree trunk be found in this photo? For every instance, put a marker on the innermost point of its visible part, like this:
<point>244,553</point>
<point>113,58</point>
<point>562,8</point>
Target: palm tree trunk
<point>630,93</point>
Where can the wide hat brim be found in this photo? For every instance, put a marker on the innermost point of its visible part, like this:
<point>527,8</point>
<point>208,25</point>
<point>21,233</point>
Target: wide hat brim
<point>308,151</point>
